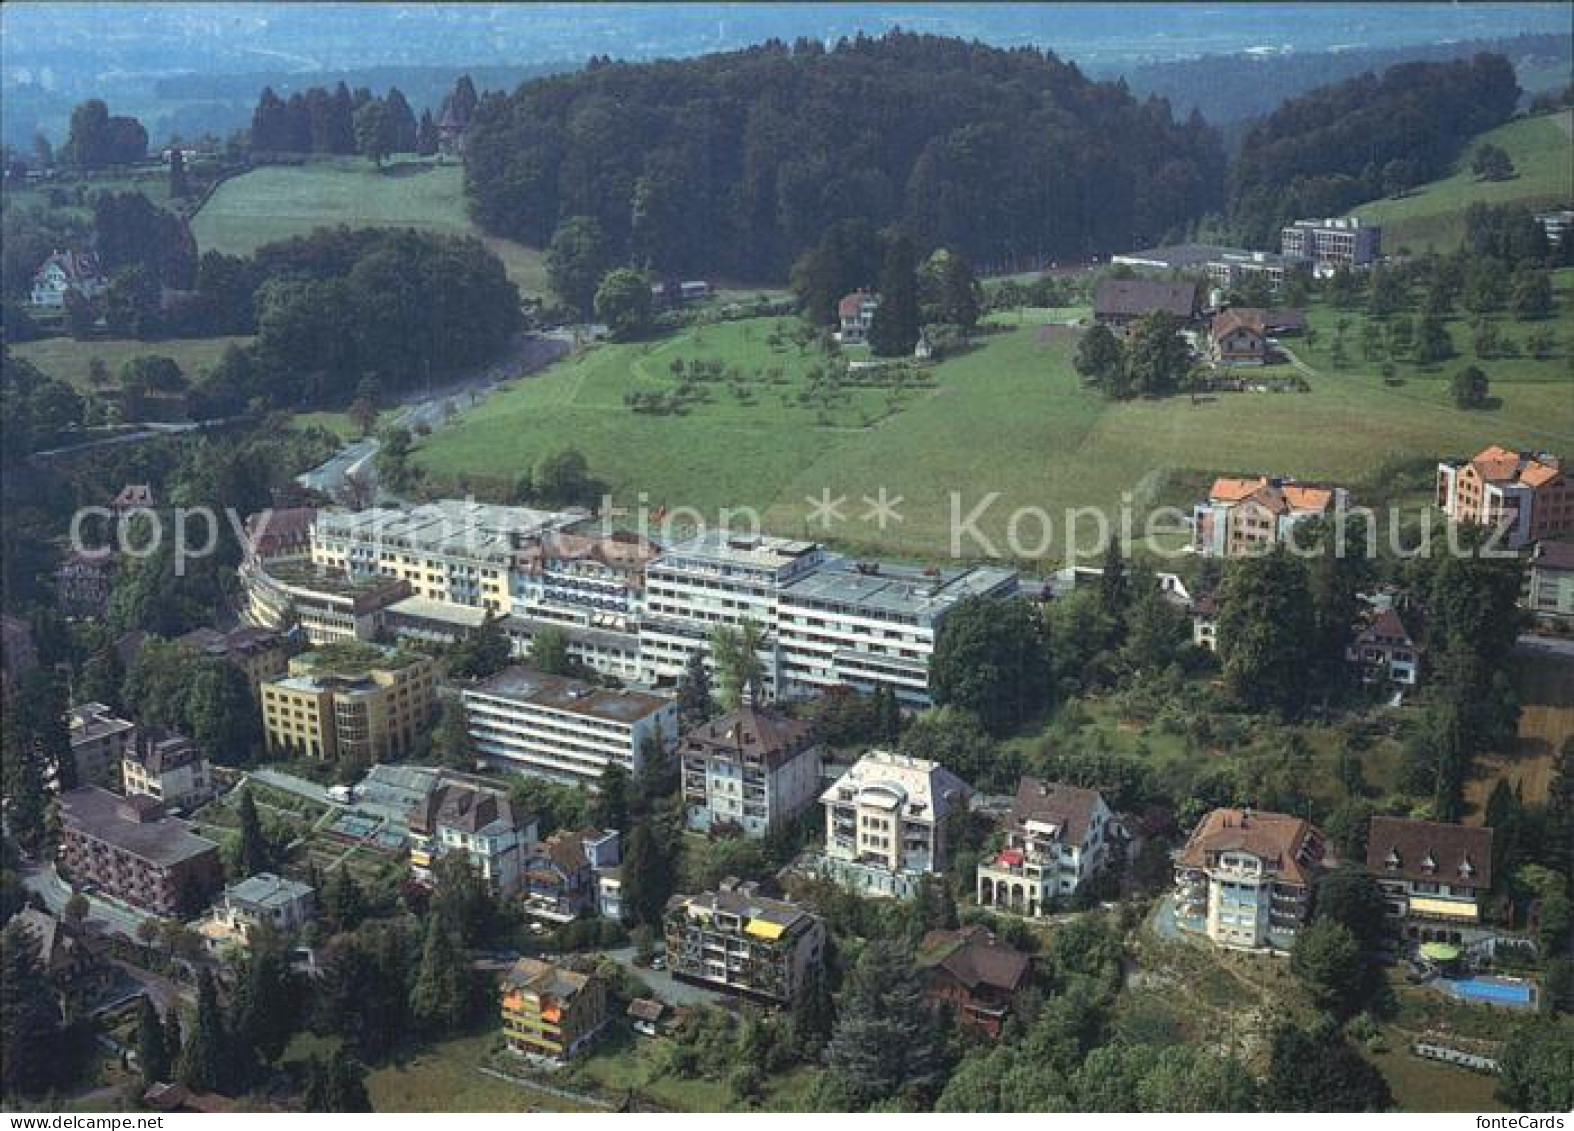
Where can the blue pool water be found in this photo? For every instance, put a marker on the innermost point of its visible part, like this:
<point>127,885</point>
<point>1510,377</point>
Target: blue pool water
<point>1490,990</point>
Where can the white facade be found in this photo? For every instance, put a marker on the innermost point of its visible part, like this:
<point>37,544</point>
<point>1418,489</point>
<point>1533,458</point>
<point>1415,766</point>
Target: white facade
<point>1056,838</point>
<point>749,770</point>
<point>564,729</point>
<point>885,822</point>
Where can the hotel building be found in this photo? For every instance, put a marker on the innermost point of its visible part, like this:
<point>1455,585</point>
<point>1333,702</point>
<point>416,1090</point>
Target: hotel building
<point>1245,878</point>
<point>359,702</point>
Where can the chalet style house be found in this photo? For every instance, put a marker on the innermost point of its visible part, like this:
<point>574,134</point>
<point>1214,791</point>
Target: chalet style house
<point>973,972</point>
<point>66,271</point>
<point>1432,875</point>
<point>1383,651</point>
<point>854,316</point>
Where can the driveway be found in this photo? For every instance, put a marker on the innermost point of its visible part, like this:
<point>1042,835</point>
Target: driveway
<point>104,916</point>
<point>663,984</point>
<point>289,783</point>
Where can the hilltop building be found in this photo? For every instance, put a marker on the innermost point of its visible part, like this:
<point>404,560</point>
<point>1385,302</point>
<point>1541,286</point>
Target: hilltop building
<point>64,272</point>
<point>1249,515</point>
<point>1433,876</point>
<point>1244,878</point>
<point>1057,836</point>
<point>885,822</point>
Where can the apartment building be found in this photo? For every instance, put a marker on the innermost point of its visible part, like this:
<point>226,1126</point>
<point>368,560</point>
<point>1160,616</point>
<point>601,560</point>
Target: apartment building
<point>1250,515</point>
<point>871,624</point>
<point>100,741</point>
<point>1244,878</point>
<point>458,551</point>
<point>751,770</point>
<point>1224,266</point>
<point>82,583</point>
<point>1057,836</point>
<point>1551,592</point>
<point>358,702</point>
<point>328,606</point>
<point>611,651</point>
<point>885,822</point>
<point>133,852</point>
<point>1433,877</point>
<point>1526,495</point>
<point>259,653</point>
<point>565,729</point>
<point>582,579</point>
<point>739,942</point>
<point>1333,243</point>
<point>717,578</point>
<point>550,1012</point>
<point>563,874</point>
<point>480,823</point>
<point>168,768</point>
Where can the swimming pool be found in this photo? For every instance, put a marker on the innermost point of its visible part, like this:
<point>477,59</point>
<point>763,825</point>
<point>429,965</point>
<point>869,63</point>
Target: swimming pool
<point>1493,991</point>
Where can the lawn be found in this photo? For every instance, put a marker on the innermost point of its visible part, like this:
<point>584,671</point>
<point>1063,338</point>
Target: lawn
<point>69,360</point>
<point>1542,149</point>
<point>443,1077</point>
<point>276,202</point>
<point>1008,425</point>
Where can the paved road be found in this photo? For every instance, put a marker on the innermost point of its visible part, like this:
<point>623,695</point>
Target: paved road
<point>103,916</point>
<point>663,984</point>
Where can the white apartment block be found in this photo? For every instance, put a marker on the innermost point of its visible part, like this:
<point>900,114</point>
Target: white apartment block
<point>1056,837</point>
<point>582,579</point>
<point>868,624</point>
<point>452,550</point>
<point>717,578</point>
<point>885,822</point>
<point>564,729</point>
<point>1244,879</point>
<point>751,770</point>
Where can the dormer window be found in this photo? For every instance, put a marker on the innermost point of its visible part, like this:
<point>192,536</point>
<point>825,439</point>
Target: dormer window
<point>1428,864</point>
<point>1391,862</point>
<point>1466,868</point>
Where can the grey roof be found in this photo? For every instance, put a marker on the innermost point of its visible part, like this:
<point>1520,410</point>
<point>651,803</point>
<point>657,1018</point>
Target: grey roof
<point>528,686</point>
<point>908,592</point>
<point>103,815</point>
<point>268,890</point>
<point>1134,297</point>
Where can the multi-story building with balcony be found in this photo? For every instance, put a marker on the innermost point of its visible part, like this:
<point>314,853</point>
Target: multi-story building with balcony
<point>1551,587</point>
<point>751,770</point>
<point>1526,495</point>
<point>1057,836</point>
<point>885,823</point>
<point>565,729</point>
<point>870,624</point>
<point>1244,516</point>
<point>1433,877</point>
<point>1333,243</point>
<point>133,852</point>
<point>582,579</point>
<point>563,874</point>
<point>82,582</point>
<point>550,1012</point>
<point>1244,878</point>
<point>358,702</point>
<point>100,741</point>
<point>329,606</point>
<point>169,768</point>
<point>714,579</point>
<point>259,653</point>
<point>478,822</point>
<point>451,550</point>
<point>740,942</point>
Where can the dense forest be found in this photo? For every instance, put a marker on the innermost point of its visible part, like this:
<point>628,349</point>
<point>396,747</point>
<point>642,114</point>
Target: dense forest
<point>735,163</point>
<point>1370,136</point>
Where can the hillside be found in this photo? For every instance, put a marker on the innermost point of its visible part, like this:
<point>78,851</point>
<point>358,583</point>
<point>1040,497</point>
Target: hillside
<point>1433,216</point>
<point>276,202</point>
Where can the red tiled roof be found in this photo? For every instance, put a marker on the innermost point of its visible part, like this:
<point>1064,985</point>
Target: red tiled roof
<point>1287,845</point>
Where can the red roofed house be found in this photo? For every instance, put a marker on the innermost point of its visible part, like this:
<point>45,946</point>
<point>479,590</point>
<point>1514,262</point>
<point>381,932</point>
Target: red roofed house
<point>1248,515</point>
<point>1245,878</point>
<point>66,271</point>
<point>976,974</point>
<point>1237,337</point>
<point>1384,650</point>
<point>855,313</point>
<point>1527,494</point>
<point>1056,837</point>
<point>1432,875</point>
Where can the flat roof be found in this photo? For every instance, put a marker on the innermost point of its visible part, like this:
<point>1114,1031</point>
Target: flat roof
<point>526,685</point>
<point>764,551</point>
<point>910,590</point>
<point>102,815</point>
<point>450,525</point>
<point>424,608</point>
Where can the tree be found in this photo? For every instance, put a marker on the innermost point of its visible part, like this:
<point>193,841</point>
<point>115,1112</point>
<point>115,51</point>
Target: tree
<point>886,1040</point>
<point>813,1015</point>
<point>549,652</point>
<point>948,290</point>
<point>400,125</point>
<point>576,260</point>
<point>1265,629</point>
<point>336,1082</point>
<point>623,302</point>
<point>219,712</point>
<point>1101,361</point>
<point>992,658</point>
<point>610,807</point>
<point>1316,1069</point>
<point>1327,959</point>
<point>264,1011</point>
<point>1530,294</point>
<point>1157,630</point>
<point>1471,388</point>
<point>205,1063</point>
<point>893,331</point>
<point>736,654</point>
<point>343,901</point>
<point>1157,357</point>
<point>255,852</point>
<point>563,479</point>
<point>1491,163</point>
<point>371,131</point>
<point>98,140</point>
<point>485,652</point>
<point>1349,896</point>
<point>179,186</point>
<point>648,876</point>
<point>152,1053</point>
<point>1536,1068</point>
<point>440,995</point>
<point>695,703</point>
<point>31,1029</point>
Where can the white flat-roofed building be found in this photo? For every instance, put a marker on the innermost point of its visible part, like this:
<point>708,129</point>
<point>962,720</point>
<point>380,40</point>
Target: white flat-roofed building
<point>885,822</point>
<point>1342,241</point>
<point>452,550</point>
<point>610,651</point>
<point>717,578</point>
<point>564,729</point>
<point>870,624</point>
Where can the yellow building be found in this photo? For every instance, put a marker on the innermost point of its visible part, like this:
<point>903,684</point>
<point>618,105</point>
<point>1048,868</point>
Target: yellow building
<point>551,1012</point>
<point>356,701</point>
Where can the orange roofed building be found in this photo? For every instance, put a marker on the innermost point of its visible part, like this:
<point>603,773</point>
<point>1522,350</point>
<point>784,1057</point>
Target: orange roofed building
<point>550,1012</point>
<point>1245,878</point>
<point>1526,494</point>
<point>1247,515</point>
